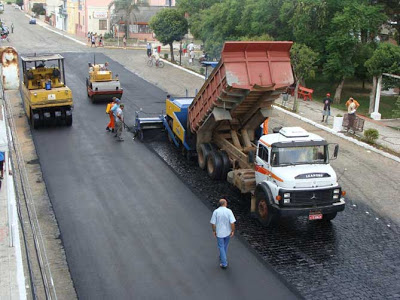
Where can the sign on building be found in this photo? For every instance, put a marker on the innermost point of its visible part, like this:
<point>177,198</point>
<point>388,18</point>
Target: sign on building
<point>99,15</point>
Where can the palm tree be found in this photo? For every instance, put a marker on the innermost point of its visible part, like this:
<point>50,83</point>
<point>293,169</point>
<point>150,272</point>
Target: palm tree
<point>127,9</point>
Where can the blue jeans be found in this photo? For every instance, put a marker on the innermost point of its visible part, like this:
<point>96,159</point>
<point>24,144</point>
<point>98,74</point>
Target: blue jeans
<point>223,249</point>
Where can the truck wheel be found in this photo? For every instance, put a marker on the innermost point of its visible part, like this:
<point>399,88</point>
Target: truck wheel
<point>226,164</point>
<point>214,165</point>
<point>68,120</point>
<point>329,217</point>
<point>202,155</point>
<point>264,212</point>
<point>34,122</point>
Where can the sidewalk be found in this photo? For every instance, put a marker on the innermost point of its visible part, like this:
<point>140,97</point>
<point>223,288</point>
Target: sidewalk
<point>389,137</point>
<point>12,282</point>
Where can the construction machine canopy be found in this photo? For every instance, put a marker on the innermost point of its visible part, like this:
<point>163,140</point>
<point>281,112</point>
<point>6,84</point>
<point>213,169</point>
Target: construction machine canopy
<point>45,57</point>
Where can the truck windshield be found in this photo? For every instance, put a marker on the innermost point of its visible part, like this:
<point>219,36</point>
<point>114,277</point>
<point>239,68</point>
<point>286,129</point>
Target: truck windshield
<point>299,155</point>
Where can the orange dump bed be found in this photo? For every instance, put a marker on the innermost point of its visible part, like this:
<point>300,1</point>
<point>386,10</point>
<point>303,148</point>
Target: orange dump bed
<point>249,76</point>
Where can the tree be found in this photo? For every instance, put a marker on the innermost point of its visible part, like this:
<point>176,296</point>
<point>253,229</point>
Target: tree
<point>127,8</point>
<point>38,9</point>
<point>385,59</point>
<point>303,61</point>
<point>357,24</point>
<point>169,25</point>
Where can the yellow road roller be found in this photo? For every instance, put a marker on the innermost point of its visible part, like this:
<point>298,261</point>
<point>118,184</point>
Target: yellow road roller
<point>101,85</point>
<point>47,99</point>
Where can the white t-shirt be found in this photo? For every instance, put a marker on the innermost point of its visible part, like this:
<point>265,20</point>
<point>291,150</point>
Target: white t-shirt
<point>190,47</point>
<point>222,218</point>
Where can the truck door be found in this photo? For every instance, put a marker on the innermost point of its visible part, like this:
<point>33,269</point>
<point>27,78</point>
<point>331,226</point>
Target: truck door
<point>262,163</point>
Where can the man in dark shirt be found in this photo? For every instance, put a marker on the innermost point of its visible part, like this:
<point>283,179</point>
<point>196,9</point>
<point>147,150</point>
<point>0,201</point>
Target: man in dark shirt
<point>327,108</point>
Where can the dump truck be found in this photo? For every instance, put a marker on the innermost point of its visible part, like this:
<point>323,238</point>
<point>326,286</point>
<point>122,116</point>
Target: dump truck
<point>47,99</point>
<point>101,85</point>
<point>287,173</point>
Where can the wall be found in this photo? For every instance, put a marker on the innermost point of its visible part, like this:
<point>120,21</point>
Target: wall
<point>96,10</point>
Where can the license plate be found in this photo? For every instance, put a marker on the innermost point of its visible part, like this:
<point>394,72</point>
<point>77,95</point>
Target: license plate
<point>315,216</point>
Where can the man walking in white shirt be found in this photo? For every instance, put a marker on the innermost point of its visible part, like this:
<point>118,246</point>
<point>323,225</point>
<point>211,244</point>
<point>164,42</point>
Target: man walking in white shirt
<point>223,226</point>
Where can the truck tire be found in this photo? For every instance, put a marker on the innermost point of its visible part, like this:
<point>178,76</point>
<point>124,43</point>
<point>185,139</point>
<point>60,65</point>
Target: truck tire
<point>264,213</point>
<point>214,165</point>
<point>226,165</point>
<point>329,217</point>
<point>202,155</point>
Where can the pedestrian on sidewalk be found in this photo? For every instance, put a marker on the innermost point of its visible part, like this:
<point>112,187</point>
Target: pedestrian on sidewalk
<point>119,122</point>
<point>93,37</point>
<point>100,40</point>
<point>148,50</point>
<point>12,27</point>
<point>351,111</point>
<point>327,108</point>
<point>2,158</point>
<point>89,37</point>
<point>124,41</point>
<point>111,124</point>
<point>354,101</point>
<point>184,47</point>
<point>223,227</point>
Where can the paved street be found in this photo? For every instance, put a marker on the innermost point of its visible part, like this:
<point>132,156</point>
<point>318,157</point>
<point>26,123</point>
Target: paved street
<point>134,217</point>
<point>130,228</point>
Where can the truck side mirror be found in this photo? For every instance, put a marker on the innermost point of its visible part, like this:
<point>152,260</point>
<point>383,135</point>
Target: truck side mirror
<point>336,151</point>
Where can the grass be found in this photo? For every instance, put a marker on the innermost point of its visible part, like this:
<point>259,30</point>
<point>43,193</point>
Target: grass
<point>352,88</point>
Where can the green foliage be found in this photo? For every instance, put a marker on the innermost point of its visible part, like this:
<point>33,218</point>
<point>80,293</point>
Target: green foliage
<point>264,37</point>
<point>303,61</point>
<point>371,135</point>
<point>396,111</point>
<point>384,60</point>
<point>19,2</point>
<point>169,25</point>
<point>38,9</point>
<point>339,115</point>
<point>108,35</point>
<point>202,71</point>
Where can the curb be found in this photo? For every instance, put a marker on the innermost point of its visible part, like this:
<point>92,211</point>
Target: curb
<point>341,135</point>
<point>182,68</point>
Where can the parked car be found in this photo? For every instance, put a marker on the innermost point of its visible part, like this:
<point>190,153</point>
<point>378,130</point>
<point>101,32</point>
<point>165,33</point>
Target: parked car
<point>32,21</point>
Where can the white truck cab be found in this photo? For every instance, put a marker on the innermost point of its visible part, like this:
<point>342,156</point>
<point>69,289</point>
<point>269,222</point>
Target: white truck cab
<point>294,177</point>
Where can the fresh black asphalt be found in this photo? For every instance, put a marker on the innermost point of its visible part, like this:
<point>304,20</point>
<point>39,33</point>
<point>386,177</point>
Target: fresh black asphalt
<point>131,229</point>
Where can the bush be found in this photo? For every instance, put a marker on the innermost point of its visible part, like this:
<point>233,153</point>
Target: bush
<point>202,71</point>
<point>339,115</point>
<point>371,135</point>
<point>108,35</point>
<point>165,55</point>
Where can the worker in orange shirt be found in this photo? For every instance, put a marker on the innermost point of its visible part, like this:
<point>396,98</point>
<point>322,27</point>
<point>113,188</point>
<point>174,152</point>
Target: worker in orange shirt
<point>111,124</point>
<point>265,126</point>
<point>354,101</point>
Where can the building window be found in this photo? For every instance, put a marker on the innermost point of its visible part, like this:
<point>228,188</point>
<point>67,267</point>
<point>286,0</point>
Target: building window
<point>102,24</point>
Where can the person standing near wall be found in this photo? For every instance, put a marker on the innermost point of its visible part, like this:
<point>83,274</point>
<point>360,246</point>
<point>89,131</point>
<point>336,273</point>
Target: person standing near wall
<point>2,158</point>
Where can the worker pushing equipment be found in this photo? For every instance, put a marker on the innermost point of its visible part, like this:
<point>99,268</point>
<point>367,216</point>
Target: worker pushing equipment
<point>111,124</point>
